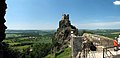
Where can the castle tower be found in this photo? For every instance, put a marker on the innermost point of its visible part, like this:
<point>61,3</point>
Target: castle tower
<point>65,16</point>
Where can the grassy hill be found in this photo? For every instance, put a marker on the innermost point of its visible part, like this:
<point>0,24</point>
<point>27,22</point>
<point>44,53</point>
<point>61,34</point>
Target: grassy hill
<point>65,54</point>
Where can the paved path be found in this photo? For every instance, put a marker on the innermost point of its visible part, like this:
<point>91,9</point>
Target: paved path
<point>117,56</point>
<point>100,54</point>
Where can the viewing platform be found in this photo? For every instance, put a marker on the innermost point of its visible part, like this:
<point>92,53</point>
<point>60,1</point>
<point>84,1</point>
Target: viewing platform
<point>105,53</point>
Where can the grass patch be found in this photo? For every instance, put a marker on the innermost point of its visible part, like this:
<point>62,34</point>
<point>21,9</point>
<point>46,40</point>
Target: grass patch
<point>21,48</point>
<point>44,40</point>
<point>24,38</point>
<point>7,41</point>
<point>11,35</point>
<point>115,33</point>
<point>66,54</point>
<point>13,43</point>
<point>50,56</point>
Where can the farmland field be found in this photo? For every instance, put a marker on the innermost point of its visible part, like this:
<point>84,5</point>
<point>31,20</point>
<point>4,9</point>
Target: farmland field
<point>23,40</point>
<point>38,43</point>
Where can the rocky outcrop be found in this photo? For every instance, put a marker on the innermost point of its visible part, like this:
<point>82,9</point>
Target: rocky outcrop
<point>62,35</point>
<point>3,8</point>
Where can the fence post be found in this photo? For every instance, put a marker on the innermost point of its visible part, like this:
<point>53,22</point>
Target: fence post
<point>103,52</point>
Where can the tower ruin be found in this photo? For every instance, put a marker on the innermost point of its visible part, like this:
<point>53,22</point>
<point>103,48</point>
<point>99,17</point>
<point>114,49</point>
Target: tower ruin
<point>65,16</point>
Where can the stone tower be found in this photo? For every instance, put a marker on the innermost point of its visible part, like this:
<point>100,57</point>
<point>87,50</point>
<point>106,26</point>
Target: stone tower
<point>3,7</point>
<point>63,33</point>
<point>65,16</point>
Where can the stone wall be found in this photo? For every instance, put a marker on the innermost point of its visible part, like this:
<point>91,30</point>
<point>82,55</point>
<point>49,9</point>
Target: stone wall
<point>76,45</point>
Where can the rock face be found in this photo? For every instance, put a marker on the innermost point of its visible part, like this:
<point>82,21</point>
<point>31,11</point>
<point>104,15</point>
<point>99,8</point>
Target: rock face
<point>62,35</point>
<point>3,8</point>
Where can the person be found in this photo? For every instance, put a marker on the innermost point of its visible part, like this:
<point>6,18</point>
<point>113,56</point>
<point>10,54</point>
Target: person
<point>119,42</point>
<point>85,47</point>
<point>92,47</point>
<point>115,44</point>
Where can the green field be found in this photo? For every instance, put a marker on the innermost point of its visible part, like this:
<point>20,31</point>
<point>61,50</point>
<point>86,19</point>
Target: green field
<point>23,41</point>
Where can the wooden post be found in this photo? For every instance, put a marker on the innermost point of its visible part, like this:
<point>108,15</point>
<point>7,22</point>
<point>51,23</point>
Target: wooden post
<point>72,42</point>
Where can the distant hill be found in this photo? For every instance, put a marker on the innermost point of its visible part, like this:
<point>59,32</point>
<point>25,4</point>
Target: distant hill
<point>40,32</point>
<point>111,33</point>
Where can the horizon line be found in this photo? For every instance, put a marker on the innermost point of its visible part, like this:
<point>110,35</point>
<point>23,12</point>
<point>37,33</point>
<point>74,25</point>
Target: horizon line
<point>56,29</point>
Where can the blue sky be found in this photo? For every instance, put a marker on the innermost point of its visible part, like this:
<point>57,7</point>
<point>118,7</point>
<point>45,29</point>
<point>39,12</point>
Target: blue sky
<point>46,14</point>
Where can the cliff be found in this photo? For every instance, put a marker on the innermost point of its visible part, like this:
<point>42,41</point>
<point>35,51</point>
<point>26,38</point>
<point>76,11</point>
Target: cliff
<point>62,35</point>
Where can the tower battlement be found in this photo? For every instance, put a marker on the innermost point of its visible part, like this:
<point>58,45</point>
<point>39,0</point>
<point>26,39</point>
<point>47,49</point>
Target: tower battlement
<point>65,16</point>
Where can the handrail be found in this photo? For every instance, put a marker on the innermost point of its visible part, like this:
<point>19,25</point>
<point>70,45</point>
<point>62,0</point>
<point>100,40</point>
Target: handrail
<point>105,51</point>
<point>110,53</point>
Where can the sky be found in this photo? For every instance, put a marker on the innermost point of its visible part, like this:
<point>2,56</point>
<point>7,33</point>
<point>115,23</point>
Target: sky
<point>46,14</point>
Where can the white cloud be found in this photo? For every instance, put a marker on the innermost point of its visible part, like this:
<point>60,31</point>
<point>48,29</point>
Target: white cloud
<point>116,3</point>
<point>102,25</point>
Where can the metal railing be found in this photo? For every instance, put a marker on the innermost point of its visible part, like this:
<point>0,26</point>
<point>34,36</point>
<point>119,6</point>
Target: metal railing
<point>107,53</point>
